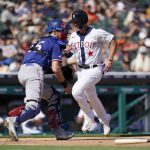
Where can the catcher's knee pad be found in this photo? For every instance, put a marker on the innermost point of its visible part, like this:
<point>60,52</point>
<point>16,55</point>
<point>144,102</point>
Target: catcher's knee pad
<point>31,104</point>
<point>54,96</point>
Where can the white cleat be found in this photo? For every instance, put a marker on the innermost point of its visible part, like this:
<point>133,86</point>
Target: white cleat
<point>85,126</point>
<point>90,126</point>
<point>11,125</point>
<point>96,128</point>
<point>106,127</point>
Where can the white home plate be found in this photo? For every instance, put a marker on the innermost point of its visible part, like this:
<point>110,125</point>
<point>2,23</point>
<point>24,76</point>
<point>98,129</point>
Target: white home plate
<point>132,141</point>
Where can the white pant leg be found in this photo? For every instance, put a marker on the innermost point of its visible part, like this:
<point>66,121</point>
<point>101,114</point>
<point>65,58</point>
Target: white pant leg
<point>81,99</point>
<point>86,78</point>
<point>96,103</point>
<point>47,92</point>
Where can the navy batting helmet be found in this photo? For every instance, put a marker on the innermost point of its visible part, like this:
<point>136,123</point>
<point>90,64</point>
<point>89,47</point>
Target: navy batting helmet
<point>80,18</point>
<point>56,24</point>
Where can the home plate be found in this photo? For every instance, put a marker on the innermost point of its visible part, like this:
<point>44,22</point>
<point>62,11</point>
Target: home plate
<point>131,141</point>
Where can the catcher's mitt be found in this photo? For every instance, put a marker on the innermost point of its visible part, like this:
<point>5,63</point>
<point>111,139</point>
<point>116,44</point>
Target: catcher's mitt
<point>68,73</point>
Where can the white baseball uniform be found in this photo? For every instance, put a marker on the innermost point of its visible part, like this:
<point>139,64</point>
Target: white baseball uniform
<point>87,51</point>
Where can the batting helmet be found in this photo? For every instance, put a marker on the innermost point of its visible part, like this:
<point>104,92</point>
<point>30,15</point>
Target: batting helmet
<point>56,24</point>
<point>80,18</point>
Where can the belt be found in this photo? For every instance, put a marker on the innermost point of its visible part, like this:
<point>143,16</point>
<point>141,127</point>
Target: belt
<point>87,67</point>
<point>31,64</point>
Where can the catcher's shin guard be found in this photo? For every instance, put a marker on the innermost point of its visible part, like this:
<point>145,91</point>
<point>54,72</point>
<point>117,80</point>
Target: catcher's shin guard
<point>54,115</point>
<point>54,110</point>
<point>24,113</point>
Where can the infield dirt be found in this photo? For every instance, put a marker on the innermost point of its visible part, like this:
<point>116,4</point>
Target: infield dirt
<point>75,141</point>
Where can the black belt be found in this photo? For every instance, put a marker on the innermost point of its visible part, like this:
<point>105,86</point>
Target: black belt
<point>87,67</point>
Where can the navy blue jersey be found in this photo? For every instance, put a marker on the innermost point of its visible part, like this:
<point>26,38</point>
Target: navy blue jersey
<point>45,50</point>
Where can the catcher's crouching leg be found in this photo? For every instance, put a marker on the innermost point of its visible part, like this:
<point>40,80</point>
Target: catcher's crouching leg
<point>20,115</point>
<point>54,117</point>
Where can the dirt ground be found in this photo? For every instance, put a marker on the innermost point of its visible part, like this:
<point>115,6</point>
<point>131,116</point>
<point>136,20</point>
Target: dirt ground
<point>76,141</point>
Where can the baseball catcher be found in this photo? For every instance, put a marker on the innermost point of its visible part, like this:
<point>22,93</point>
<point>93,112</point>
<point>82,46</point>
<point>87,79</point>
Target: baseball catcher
<point>42,55</point>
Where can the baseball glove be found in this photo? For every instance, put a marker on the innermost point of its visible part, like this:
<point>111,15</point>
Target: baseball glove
<point>68,73</point>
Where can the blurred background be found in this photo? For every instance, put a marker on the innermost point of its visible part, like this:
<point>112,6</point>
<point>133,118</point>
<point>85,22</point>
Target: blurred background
<point>125,92</point>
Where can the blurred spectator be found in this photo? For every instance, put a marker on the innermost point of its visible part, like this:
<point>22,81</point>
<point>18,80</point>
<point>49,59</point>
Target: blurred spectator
<point>15,65</point>
<point>24,21</point>
<point>148,10</point>
<point>120,6</point>
<point>22,8</point>
<point>142,61</point>
<point>115,27</point>
<point>63,9</point>
<point>8,13</point>
<point>121,59</point>
<point>4,60</point>
<point>49,10</point>
<point>132,29</point>
<point>90,8</point>
<point>8,47</point>
<point>129,45</point>
<point>125,64</point>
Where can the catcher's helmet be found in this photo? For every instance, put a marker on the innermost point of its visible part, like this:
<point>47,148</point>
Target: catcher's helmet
<point>56,24</point>
<point>80,18</point>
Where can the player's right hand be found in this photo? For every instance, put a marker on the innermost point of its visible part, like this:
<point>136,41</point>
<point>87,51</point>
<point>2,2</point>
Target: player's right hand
<point>68,48</point>
<point>108,66</point>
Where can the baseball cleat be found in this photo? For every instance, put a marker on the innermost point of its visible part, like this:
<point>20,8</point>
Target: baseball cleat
<point>61,134</point>
<point>65,136</point>
<point>86,125</point>
<point>11,125</point>
<point>95,127</point>
<point>90,126</point>
<point>106,127</point>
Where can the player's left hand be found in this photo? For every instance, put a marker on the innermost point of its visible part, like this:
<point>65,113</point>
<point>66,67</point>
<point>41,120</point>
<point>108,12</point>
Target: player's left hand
<point>108,66</point>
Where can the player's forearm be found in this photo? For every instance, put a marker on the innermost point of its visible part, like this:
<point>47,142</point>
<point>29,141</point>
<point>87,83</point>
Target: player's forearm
<point>112,49</point>
<point>57,71</point>
<point>59,76</point>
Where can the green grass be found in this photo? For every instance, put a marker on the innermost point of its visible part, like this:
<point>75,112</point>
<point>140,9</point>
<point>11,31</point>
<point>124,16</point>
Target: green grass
<point>79,134</point>
<point>14,147</point>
